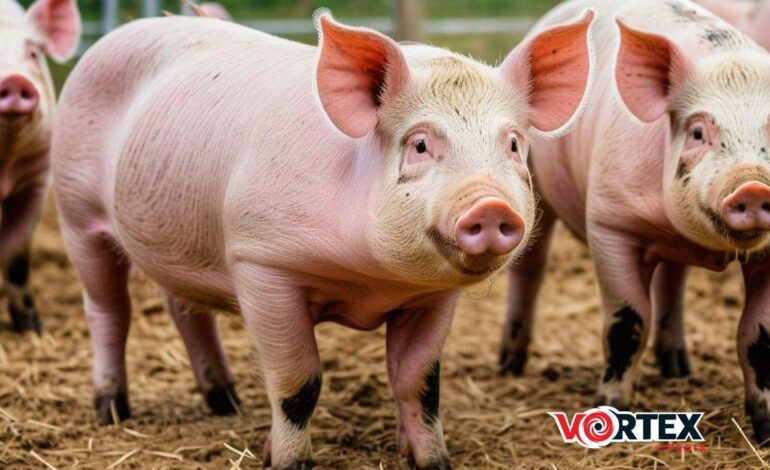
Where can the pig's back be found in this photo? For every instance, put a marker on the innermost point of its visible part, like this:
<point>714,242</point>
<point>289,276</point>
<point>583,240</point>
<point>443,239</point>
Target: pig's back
<point>604,143</point>
<point>169,107</point>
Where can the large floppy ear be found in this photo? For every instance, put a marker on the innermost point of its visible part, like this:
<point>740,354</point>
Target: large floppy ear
<point>59,23</point>
<point>648,67</point>
<point>556,68</point>
<point>358,69</point>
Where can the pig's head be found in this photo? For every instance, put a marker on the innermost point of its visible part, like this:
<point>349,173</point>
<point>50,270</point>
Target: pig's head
<point>717,172</point>
<point>48,28</point>
<point>448,138</point>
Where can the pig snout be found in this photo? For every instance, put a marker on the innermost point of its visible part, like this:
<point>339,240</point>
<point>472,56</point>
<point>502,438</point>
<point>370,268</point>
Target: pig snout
<point>489,226</point>
<point>18,96</point>
<point>748,207</point>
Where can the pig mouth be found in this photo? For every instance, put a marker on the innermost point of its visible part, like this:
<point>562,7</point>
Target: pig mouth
<point>13,120</point>
<point>477,266</point>
<point>742,239</point>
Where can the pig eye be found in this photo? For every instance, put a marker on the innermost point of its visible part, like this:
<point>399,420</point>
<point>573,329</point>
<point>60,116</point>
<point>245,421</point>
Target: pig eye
<point>419,149</point>
<point>514,149</point>
<point>697,133</point>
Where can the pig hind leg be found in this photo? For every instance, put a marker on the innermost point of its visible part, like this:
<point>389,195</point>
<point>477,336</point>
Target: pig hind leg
<point>19,215</point>
<point>754,348</point>
<point>198,328</point>
<point>104,271</point>
<point>524,281</point>
<point>668,309</point>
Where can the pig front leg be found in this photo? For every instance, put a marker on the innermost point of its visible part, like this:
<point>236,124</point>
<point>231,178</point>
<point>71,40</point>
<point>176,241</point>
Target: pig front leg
<point>415,339</point>
<point>18,217</point>
<point>278,318</point>
<point>198,328</point>
<point>524,281</point>
<point>754,347</point>
<point>668,310</point>
<point>624,287</point>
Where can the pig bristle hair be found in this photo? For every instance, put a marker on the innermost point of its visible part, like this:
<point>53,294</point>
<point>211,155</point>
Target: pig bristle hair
<point>317,14</point>
<point>566,128</point>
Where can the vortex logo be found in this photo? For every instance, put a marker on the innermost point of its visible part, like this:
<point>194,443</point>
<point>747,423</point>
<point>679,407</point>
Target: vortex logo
<point>593,429</point>
<point>601,426</point>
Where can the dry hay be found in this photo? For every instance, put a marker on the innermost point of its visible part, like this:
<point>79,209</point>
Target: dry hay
<point>46,419</point>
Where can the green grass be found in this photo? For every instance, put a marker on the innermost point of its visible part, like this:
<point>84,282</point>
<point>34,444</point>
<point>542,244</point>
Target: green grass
<point>264,9</point>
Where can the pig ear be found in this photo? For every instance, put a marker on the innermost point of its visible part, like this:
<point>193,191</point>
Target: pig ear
<point>59,23</point>
<point>358,68</point>
<point>648,68</point>
<point>556,67</point>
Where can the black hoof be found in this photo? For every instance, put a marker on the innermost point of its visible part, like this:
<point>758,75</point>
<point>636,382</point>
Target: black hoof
<point>512,362</point>
<point>105,404</point>
<point>223,400</point>
<point>442,464</point>
<point>674,363</point>
<point>760,421</point>
<point>299,465</point>
<point>26,319</point>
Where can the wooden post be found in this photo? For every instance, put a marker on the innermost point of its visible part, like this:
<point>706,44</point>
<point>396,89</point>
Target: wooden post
<point>150,8</point>
<point>109,15</point>
<point>407,19</point>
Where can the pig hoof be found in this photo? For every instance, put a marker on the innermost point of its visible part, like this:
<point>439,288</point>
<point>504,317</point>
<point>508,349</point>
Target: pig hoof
<point>674,363</point>
<point>110,405</point>
<point>615,402</point>
<point>442,464</point>
<point>760,421</point>
<point>513,362</point>
<point>223,400</point>
<point>25,319</point>
<point>299,465</point>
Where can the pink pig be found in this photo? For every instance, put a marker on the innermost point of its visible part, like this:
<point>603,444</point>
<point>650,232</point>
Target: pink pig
<point>361,182</point>
<point>27,102</point>
<point>667,167</point>
<point>753,18</point>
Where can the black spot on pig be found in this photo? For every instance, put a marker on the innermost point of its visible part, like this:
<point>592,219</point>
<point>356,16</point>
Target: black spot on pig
<point>756,409</point>
<point>722,38</point>
<point>516,327</point>
<point>429,397</point>
<point>18,271</point>
<point>299,465</point>
<point>681,170</point>
<point>299,407</point>
<point>624,338</point>
<point>759,358</point>
<point>666,320</point>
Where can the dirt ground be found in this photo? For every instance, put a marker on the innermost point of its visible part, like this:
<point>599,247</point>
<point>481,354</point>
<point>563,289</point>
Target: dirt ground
<point>490,422</point>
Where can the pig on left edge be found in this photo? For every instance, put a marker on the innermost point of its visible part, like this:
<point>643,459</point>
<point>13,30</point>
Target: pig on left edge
<point>27,103</point>
<point>362,182</point>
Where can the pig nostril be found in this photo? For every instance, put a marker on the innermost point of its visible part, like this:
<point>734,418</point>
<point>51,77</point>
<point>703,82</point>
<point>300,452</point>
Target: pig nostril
<point>741,207</point>
<point>475,230</point>
<point>25,94</point>
<point>4,94</point>
<point>766,206</point>
<point>506,229</point>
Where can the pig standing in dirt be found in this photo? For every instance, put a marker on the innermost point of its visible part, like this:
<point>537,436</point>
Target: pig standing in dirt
<point>27,102</point>
<point>206,154</point>
<point>753,18</point>
<point>682,179</point>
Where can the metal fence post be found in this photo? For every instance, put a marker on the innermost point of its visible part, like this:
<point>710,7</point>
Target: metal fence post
<point>407,19</point>
<point>109,15</point>
<point>150,8</point>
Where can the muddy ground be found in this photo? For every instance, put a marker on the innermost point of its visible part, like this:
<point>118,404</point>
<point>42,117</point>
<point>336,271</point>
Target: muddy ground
<point>490,422</point>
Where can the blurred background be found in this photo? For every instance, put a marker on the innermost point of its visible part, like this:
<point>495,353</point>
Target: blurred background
<point>484,29</point>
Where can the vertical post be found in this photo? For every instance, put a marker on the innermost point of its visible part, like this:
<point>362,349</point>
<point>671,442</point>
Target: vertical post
<point>109,15</point>
<point>150,8</point>
<point>407,19</point>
